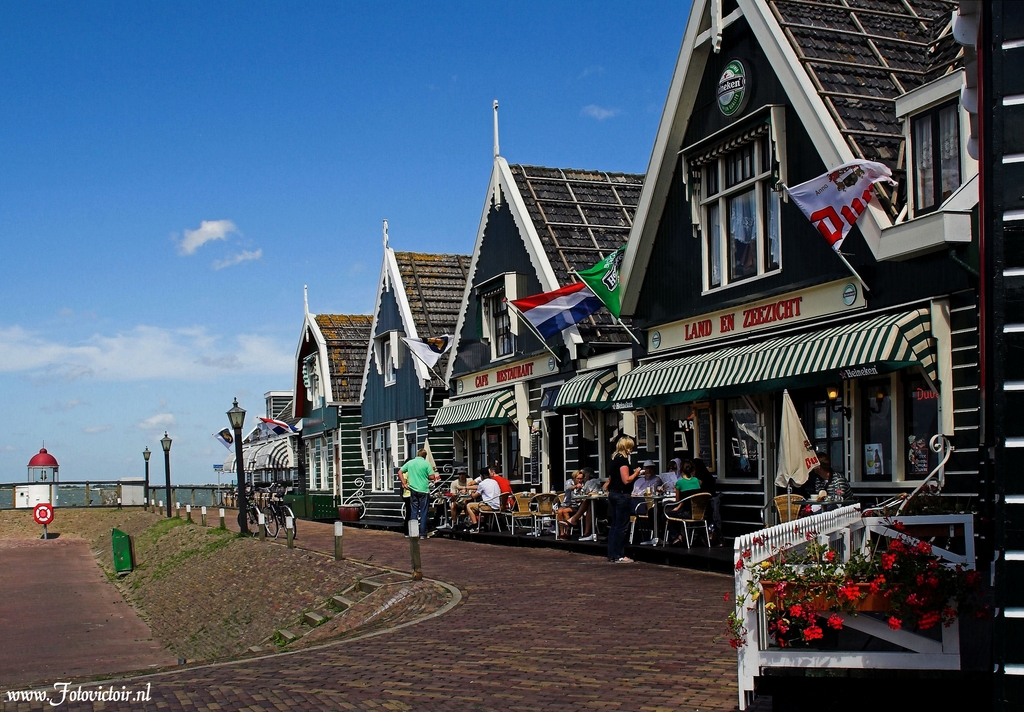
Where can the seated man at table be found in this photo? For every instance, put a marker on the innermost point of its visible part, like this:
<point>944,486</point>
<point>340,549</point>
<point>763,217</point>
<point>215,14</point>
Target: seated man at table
<point>460,489</point>
<point>487,492</point>
<point>503,484</point>
<point>647,483</point>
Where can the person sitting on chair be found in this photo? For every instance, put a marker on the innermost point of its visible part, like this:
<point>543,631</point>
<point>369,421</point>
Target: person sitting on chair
<point>668,479</point>
<point>571,507</point>
<point>460,490</point>
<point>487,492</point>
<point>503,484</point>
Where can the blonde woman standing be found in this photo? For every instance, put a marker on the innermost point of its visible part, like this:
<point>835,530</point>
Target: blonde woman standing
<point>620,489</point>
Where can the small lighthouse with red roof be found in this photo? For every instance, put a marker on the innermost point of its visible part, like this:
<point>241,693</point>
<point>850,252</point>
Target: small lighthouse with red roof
<point>43,468</point>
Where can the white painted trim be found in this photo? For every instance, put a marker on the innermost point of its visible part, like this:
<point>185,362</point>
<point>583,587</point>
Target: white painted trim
<point>931,94</point>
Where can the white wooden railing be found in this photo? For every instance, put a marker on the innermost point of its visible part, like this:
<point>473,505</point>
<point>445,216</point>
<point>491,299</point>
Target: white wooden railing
<point>844,531</point>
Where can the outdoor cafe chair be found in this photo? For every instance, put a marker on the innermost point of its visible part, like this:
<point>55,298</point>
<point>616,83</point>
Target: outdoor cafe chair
<point>546,504</point>
<point>787,506</point>
<point>521,508</point>
<point>648,505</point>
<point>698,507</point>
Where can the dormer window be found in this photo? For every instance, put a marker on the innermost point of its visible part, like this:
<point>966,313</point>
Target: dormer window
<point>936,143</point>
<point>739,209</point>
<point>503,341</point>
<point>389,364</point>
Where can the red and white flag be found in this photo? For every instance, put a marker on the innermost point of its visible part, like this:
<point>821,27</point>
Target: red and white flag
<point>835,200</point>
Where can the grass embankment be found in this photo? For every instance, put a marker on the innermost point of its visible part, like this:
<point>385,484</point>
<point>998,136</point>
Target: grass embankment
<point>206,593</point>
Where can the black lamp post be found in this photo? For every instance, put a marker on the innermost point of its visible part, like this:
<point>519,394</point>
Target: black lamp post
<point>165,442</point>
<point>145,455</point>
<point>236,416</point>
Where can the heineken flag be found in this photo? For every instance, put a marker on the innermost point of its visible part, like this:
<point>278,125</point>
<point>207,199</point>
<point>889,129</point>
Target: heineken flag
<point>603,280</point>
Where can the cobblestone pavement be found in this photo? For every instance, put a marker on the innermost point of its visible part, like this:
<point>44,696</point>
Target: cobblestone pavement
<point>537,629</point>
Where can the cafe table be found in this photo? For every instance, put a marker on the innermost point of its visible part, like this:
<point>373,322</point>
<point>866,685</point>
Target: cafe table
<point>656,500</point>
<point>593,497</point>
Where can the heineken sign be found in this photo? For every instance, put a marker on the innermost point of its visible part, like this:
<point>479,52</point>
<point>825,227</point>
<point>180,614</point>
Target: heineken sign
<point>732,88</point>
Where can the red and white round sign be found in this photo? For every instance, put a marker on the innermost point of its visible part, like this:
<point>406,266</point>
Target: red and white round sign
<point>43,513</point>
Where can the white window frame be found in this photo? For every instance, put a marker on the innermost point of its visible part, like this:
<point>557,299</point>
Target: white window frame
<point>761,179</point>
<point>490,301</point>
<point>388,365</point>
<point>932,111</point>
<point>378,452</point>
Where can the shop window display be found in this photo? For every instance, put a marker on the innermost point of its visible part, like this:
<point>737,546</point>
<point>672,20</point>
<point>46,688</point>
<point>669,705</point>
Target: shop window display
<point>876,433</point>
<point>921,422</point>
<point>742,439</point>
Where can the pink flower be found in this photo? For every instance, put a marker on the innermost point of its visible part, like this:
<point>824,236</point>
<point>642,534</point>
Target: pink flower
<point>782,628</point>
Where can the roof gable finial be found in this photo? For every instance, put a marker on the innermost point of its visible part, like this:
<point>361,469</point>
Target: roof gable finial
<point>385,234</point>
<point>497,150</point>
<point>305,299</point>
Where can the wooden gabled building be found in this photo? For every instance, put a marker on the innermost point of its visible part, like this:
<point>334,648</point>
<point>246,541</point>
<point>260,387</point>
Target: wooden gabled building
<point>738,295</point>
<point>329,364</point>
<point>418,296</point>
<point>538,226</point>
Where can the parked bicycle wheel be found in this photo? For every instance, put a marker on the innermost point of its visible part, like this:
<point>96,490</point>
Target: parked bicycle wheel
<point>253,519</point>
<point>273,519</point>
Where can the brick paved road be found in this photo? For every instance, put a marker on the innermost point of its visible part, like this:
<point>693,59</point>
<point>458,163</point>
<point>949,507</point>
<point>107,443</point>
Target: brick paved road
<point>536,630</point>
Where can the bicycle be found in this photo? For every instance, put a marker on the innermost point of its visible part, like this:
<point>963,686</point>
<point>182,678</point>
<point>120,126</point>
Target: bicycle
<point>276,513</point>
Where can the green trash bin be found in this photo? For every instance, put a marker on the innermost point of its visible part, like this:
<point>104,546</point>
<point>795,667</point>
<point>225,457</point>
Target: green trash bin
<point>124,556</point>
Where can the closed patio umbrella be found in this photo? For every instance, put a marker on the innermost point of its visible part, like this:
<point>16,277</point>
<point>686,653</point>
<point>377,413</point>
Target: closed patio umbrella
<point>796,456</point>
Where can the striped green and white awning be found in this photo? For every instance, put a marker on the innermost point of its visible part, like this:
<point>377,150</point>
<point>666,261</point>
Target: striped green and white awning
<point>593,389</point>
<point>495,408</point>
<point>879,345</point>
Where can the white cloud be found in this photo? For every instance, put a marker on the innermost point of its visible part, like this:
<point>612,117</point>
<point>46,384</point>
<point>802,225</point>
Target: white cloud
<point>598,112</point>
<point>93,429</point>
<point>208,230</point>
<point>142,353</point>
<point>161,421</point>
<point>54,407</point>
<point>243,256</point>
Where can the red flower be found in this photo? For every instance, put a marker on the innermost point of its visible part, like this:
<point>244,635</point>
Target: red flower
<point>726,597</point>
<point>876,585</point>
<point>746,554</point>
<point>735,643</point>
<point>830,555</point>
<point>899,526</point>
<point>835,622</point>
<point>758,540</point>
<point>782,628</point>
<point>932,580</point>
<point>796,611</point>
<point>973,578</point>
<point>812,632</point>
<point>850,592</point>
<point>897,546</point>
<point>920,579</point>
<point>888,560</point>
<point>895,623</point>
<point>928,620</point>
<point>739,564</point>
<point>914,600</point>
<point>923,548</point>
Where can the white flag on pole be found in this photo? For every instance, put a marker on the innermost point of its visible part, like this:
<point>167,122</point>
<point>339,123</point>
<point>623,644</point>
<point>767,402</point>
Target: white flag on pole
<point>431,349</point>
<point>796,456</point>
<point>835,200</point>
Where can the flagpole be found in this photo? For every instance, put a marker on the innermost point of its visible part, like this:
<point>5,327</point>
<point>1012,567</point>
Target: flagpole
<point>523,319</point>
<point>850,267</point>
<point>617,319</point>
<point>429,367</point>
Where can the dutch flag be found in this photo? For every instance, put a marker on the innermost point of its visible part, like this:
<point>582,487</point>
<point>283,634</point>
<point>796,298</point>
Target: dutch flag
<point>555,311</point>
<point>278,427</point>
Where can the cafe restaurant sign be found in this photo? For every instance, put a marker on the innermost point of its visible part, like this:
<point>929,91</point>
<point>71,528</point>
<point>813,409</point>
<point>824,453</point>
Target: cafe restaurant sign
<point>505,375</point>
<point>763,315</point>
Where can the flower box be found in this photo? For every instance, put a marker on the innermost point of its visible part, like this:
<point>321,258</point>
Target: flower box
<point>824,601</point>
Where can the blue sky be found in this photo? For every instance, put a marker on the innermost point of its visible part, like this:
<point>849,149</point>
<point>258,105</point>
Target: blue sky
<point>172,174</point>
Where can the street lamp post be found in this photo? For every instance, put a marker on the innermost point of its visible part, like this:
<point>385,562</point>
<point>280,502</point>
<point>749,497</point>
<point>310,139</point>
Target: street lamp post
<point>165,442</point>
<point>145,455</point>
<point>236,416</point>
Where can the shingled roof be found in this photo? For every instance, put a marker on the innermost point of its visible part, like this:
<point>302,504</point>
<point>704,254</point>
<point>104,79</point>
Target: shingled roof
<point>347,336</point>
<point>862,54</point>
<point>580,217</point>
<point>434,285</point>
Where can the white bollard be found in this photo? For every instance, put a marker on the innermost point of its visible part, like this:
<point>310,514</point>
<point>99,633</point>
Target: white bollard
<point>262,521</point>
<point>289,528</point>
<point>202,514</point>
<point>339,530</point>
